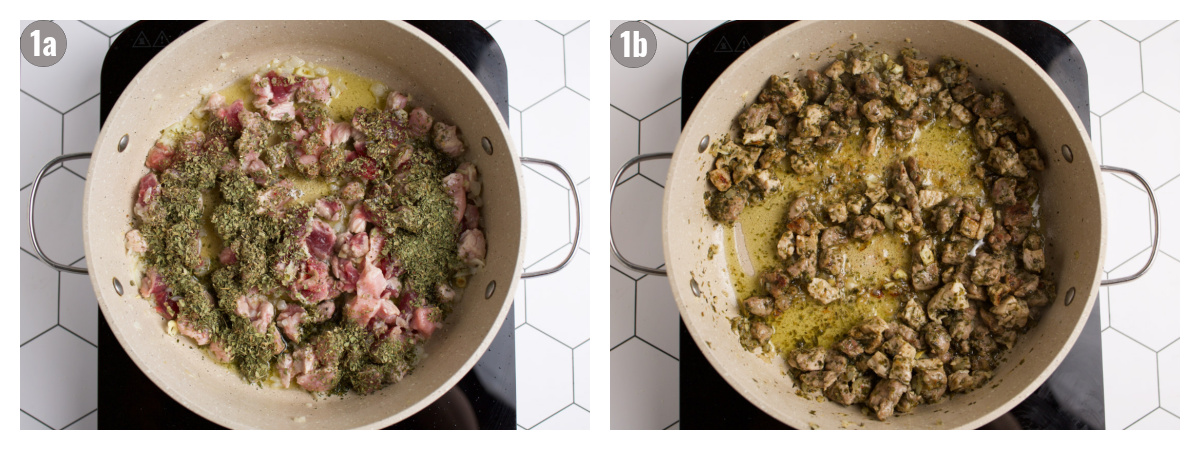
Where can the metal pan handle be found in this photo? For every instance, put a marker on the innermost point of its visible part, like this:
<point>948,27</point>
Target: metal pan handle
<point>1153,214</point>
<point>33,230</point>
<point>612,240</point>
<point>575,199</point>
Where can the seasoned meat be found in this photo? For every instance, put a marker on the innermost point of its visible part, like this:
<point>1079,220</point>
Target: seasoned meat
<point>787,245</point>
<point>849,347</point>
<point>837,214</point>
<point>913,313</point>
<point>865,227</point>
<point>1034,259</point>
<point>955,252</point>
<point>884,397</point>
<point>759,306</point>
<point>720,179</point>
<point>824,291</point>
<point>960,116</point>
<point>832,236</point>
<point>1011,312</point>
<point>988,269</point>
<point>785,93</point>
<point>727,206</point>
<point>937,337</point>
<point>808,360</point>
<point>761,332</point>
<point>904,129</point>
<point>879,364</point>
<point>950,298</point>
<point>776,282</point>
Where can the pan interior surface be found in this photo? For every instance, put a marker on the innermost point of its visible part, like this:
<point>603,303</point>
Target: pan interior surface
<point>1072,211</point>
<point>216,54</point>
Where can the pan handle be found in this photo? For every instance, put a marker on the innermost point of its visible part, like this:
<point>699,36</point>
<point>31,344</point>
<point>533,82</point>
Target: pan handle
<point>575,199</point>
<point>33,230</point>
<point>612,240</point>
<point>1153,214</point>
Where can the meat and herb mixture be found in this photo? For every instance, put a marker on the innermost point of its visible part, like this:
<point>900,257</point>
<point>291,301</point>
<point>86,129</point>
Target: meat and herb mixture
<point>316,236</point>
<point>891,209</point>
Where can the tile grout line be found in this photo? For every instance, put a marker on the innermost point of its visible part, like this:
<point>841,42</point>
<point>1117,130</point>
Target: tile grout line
<point>664,30</point>
<point>80,418</point>
<point>547,256</point>
<point>1119,30</point>
<point>40,101</point>
<point>37,419</point>
<point>656,348</point>
<point>39,335</point>
<point>550,416</point>
<point>97,29</point>
<point>1077,27</point>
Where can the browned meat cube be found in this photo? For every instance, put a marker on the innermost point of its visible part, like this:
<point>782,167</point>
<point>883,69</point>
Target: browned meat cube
<point>837,214</point>
<point>835,69</point>
<point>776,282</point>
<point>993,105</point>
<point>955,252</point>
<point>833,135</point>
<point>879,364</point>
<point>897,346</point>
<point>875,111</point>
<point>836,363</point>
<point>1024,284</point>
<point>761,332</point>
<point>808,360</point>
<point>943,103</point>
<point>759,306</point>
<point>813,118</point>
<point>850,347</point>
<point>913,314</point>
<point>1006,162</point>
<point>1034,260</point>
<point>833,262</point>
<point>984,136</point>
<point>904,129</point>
<point>1003,191</point>
<point>947,214</point>
<point>963,91</point>
<point>841,393</point>
<point>832,236</point>
<point>720,179</point>
<point>797,209</point>
<point>937,337</point>
<point>899,330</point>
<point>754,117</point>
<point>727,206</point>
<point>802,165</point>
<point>820,379</point>
<point>904,95</point>
<point>915,68</point>
<point>785,93</point>
<point>929,380</point>
<point>928,86</point>
<point>824,291</point>
<point>1019,215</point>
<point>1011,312</point>
<point>925,277</point>
<point>988,269</point>
<point>885,396</point>
<point>865,227</point>
<point>818,86</point>
<point>963,381</point>
<point>868,84</point>
<point>960,116</point>
<point>787,245</point>
<point>901,369</point>
<point>950,298</point>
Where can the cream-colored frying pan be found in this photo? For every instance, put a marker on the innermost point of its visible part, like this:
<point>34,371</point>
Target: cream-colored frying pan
<point>166,90</point>
<point>1072,212</point>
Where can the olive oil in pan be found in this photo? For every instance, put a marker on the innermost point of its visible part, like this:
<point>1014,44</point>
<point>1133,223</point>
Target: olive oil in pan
<point>947,158</point>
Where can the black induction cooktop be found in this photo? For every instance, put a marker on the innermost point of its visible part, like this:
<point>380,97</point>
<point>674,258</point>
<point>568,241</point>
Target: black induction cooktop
<point>1073,396</point>
<point>485,398</point>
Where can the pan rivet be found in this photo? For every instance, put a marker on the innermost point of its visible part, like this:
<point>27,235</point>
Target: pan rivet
<point>124,142</point>
<point>1070,297</point>
<point>487,145</point>
<point>695,287</point>
<point>1067,155</point>
<point>704,143</point>
<point>117,286</point>
<point>491,289</point>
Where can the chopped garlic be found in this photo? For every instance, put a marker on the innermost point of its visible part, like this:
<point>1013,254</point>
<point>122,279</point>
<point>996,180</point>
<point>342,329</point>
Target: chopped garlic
<point>172,328</point>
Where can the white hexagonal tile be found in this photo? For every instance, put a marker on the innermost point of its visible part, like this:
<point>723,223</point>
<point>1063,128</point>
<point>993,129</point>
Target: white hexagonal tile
<point>79,310</point>
<point>519,303</point>
<point>1065,25</point>
<point>687,30</point>
<point>620,306</point>
<point>571,418</point>
<point>1113,64</point>
<point>650,87</point>
<point>637,221</point>
<point>41,136</point>
<point>80,63</point>
<point>1168,378</point>
<point>81,127</point>
<point>583,374</point>
<point>514,128</point>
<point>534,55</point>
<point>58,378</point>
<point>1148,309</point>
<point>28,422</point>
<point>622,142</point>
<point>486,23</point>
<point>1128,142</point>
<point>558,304</point>
<point>39,297</point>
<point>1138,29</point>
<point>546,206</point>
<point>1128,223</point>
<point>557,129</point>
<point>657,315</point>
<point>1130,380</point>
<point>1167,198</point>
<point>543,376</point>
<point>59,216</point>
<point>563,26</point>
<point>644,388</point>
<point>1102,301</point>
<point>585,215</point>
<point>88,422</point>
<point>110,27</point>
<point>1160,65</point>
<point>1157,420</point>
<point>577,44</point>
<point>659,134</point>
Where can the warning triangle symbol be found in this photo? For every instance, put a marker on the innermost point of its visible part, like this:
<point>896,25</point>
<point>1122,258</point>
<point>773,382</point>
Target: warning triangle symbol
<point>743,45</point>
<point>162,39</point>
<point>141,40</point>
<point>723,46</point>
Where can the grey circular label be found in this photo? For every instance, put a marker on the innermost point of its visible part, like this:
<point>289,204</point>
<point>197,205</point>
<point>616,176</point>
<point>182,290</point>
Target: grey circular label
<point>43,43</point>
<point>633,44</point>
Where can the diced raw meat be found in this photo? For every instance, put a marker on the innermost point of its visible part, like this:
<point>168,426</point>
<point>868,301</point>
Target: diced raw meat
<point>134,242</point>
<point>228,257</point>
<point>455,186</point>
<point>315,90</point>
<point>320,239</point>
<point>187,328</point>
<point>314,284</point>
<point>472,246</point>
<point>160,157</point>
<point>445,138</point>
<point>420,120</point>
<point>396,101</point>
<point>258,309</point>
<point>423,324</point>
<point>289,320</point>
<point>147,196</point>
<point>358,219</point>
<point>219,352</point>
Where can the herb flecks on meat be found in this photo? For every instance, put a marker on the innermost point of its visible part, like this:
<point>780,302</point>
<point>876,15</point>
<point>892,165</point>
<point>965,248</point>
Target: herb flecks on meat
<point>909,257</point>
<point>304,250</point>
